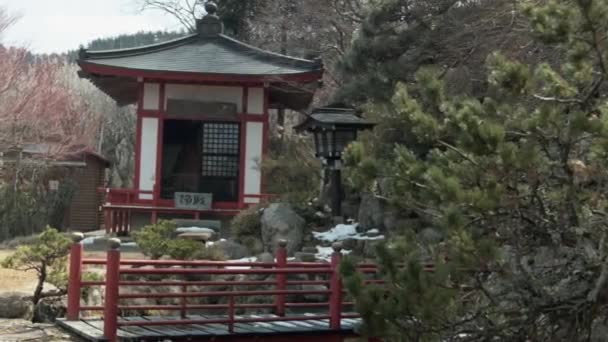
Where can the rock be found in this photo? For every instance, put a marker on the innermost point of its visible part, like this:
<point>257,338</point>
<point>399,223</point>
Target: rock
<point>599,330</point>
<point>233,250</point>
<point>266,257</point>
<point>281,222</point>
<point>369,248</point>
<point>371,213</point>
<point>312,250</point>
<point>350,209</point>
<point>349,244</point>
<point>49,309</point>
<point>305,257</point>
<point>314,298</point>
<point>94,296</point>
<point>16,305</point>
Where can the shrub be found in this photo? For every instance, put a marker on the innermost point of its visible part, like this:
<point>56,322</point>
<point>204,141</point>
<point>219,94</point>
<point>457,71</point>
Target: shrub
<point>246,229</point>
<point>153,240</point>
<point>47,255</point>
<point>158,240</point>
<point>212,253</point>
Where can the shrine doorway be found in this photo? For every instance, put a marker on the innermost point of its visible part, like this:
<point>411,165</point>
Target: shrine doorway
<point>201,157</point>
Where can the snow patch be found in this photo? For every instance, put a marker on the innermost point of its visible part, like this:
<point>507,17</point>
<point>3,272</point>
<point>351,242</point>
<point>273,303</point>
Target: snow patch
<point>324,253</point>
<point>343,232</point>
<point>248,259</point>
<point>90,240</point>
<point>197,230</point>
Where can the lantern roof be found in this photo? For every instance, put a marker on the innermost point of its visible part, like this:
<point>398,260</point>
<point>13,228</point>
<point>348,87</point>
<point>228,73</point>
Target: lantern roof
<point>334,117</point>
<point>207,55</point>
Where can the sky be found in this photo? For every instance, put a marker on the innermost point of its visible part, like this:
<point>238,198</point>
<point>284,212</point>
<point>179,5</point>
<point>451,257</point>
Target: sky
<point>47,26</point>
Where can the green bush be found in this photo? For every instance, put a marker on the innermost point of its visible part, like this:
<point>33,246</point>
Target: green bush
<point>154,240</point>
<point>246,228</point>
<point>158,240</point>
<point>47,255</point>
<point>212,253</point>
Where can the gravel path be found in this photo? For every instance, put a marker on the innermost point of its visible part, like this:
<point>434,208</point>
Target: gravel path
<point>18,330</point>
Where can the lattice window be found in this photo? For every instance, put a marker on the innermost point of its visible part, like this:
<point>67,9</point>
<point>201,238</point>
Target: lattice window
<point>221,144</point>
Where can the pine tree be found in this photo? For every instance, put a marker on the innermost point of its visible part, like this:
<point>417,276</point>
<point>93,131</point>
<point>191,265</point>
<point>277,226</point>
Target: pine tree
<point>509,192</point>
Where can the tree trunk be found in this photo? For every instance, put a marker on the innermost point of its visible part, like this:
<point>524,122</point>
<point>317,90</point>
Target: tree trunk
<point>39,287</point>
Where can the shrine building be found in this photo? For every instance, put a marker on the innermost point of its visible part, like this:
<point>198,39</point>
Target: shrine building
<point>203,104</point>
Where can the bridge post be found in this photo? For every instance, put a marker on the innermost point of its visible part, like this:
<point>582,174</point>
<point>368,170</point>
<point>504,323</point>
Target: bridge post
<point>110,314</point>
<point>231,314</point>
<point>335,296</point>
<point>75,277</point>
<point>281,256</point>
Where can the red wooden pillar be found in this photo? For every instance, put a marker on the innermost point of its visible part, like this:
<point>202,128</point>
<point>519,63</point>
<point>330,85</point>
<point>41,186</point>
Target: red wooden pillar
<point>75,278</point>
<point>231,314</point>
<point>281,256</point>
<point>110,314</point>
<point>335,297</point>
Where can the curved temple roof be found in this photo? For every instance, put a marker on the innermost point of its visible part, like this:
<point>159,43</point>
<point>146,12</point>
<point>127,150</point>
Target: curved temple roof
<point>206,56</point>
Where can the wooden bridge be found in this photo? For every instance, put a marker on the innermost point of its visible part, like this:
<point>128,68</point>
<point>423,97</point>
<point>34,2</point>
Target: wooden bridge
<point>247,301</point>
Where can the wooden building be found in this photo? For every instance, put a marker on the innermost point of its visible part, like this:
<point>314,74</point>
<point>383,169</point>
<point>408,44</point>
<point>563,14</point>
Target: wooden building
<point>203,104</point>
<point>85,170</point>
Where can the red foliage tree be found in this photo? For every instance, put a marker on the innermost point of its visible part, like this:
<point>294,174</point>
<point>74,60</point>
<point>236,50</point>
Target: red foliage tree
<point>38,106</point>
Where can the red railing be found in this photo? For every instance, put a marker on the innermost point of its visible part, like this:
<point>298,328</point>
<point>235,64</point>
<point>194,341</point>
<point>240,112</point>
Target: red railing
<point>280,287</point>
<point>119,204</point>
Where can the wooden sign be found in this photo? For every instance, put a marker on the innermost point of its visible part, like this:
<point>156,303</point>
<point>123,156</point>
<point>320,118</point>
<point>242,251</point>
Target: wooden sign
<point>190,200</point>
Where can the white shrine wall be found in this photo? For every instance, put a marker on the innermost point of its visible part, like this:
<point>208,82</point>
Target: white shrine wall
<point>255,101</point>
<point>253,157</point>
<point>205,93</point>
<point>253,129</point>
<point>148,157</point>
<point>151,98</point>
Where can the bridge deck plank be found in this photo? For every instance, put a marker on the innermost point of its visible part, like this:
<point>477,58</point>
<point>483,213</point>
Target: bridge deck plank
<point>92,329</point>
<point>98,324</point>
<point>82,329</point>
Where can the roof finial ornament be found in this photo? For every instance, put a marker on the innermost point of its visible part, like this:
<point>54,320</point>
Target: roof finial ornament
<point>210,25</point>
<point>211,7</point>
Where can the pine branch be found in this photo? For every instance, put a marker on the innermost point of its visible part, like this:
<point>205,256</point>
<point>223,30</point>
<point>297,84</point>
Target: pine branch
<point>461,153</point>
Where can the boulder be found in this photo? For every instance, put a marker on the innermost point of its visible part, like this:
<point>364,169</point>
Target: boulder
<point>371,213</point>
<point>16,305</point>
<point>49,309</point>
<point>281,222</point>
<point>305,257</point>
<point>350,244</point>
<point>266,257</point>
<point>233,250</point>
<point>313,298</point>
<point>309,249</point>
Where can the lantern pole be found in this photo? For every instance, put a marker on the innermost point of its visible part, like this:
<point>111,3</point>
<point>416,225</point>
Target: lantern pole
<point>336,191</point>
